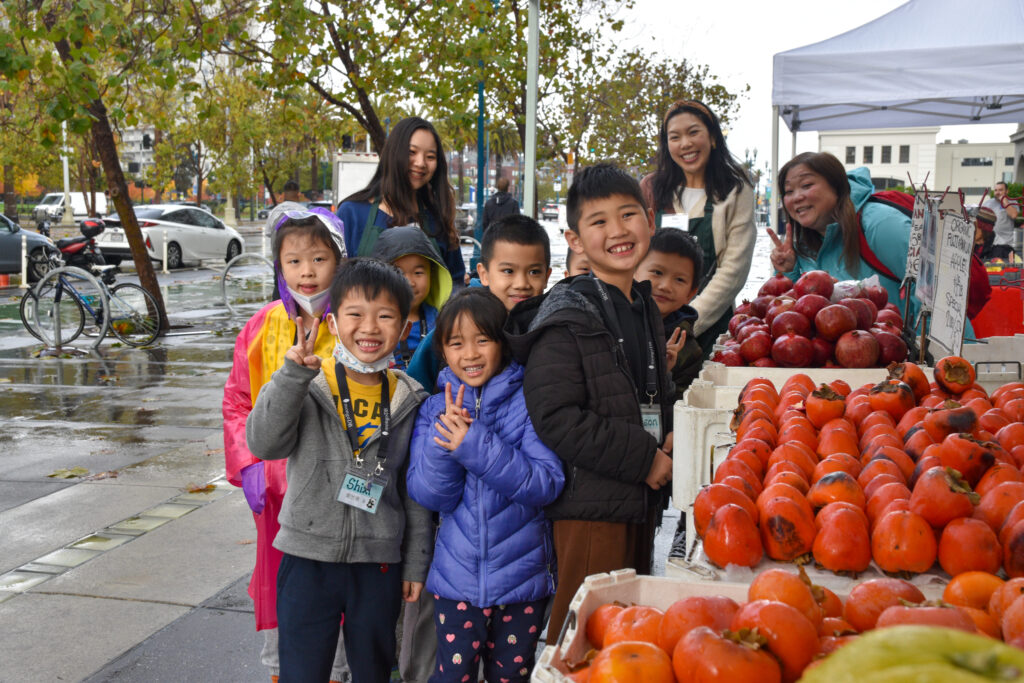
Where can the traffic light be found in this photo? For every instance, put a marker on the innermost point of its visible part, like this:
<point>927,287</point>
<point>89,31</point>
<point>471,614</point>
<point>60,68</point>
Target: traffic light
<point>147,142</point>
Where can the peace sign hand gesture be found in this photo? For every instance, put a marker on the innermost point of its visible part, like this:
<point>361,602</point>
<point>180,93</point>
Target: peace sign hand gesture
<point>783,255</point>
<point>454,422</point>
<point>304,351</point>
<point>673,345</point>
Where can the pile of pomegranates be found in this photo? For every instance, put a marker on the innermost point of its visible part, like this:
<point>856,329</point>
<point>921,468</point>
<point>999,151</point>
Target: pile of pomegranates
<point>804,324</point>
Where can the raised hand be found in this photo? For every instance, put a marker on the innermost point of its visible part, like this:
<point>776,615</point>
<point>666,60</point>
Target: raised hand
<point>783,255</point>
<point>673,345</point>
<point>454,422</point>
<point>304,351</point>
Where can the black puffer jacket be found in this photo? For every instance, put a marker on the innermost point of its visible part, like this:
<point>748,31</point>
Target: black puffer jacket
<point>583,403</point>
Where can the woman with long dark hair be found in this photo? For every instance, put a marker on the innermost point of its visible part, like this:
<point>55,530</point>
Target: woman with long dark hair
<point>698,186</point>
<point>410,186</point>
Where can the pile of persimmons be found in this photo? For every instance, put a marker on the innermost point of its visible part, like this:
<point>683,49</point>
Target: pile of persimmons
<point>786,626</point>
<point>904,472</point>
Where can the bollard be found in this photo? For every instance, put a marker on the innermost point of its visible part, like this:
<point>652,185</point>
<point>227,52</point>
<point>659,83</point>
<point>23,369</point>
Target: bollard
<point>24,262</point>
<point>165,253</point>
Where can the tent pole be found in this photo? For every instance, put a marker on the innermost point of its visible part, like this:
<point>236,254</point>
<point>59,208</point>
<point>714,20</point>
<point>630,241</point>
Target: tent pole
<point>532,51</point>
<point>773,213</point>
<point>792,149</point>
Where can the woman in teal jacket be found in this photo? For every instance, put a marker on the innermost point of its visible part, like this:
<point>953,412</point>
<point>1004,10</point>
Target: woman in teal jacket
<point>822,202</point>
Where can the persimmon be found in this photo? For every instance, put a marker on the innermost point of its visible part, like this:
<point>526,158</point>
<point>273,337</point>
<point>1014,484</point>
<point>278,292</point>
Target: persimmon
<point>763,382</point>
<point>1012,623</point>
<point>835,626</point>
<point>993,420</point>
<point>843,543</point>
<point>782,489</point>
<point>881,498</point>
<point>941,495</point>
<point>1014,409</point>
<point>738,468</point>
<point>1013,553</point>
<point>912,374</point>
<point>748,458</point>
<point>631,661</point>
<point>857,408</point>
<point>867,600</point>
<point>1003,596</point>
<point>824,404</point>
<point>796,453</point>
<point>916,443</point>
<point>787,529</point>
<point>901,504</point>
<point>911,420</point>
<point>1016,515</point>
<point>834,487</point>
<point>784,586</point>
<point>801,380</point>
<point>831,605</point>
<point>597,622</point>
<point>792,638</point>
<point>829,644</point>
<point>712,497</point>
<point>903,541</point>
<point>732,538</point>
<point>878,481</point>
<point>969,545</point>
<point>966,454</point>
<point>837,442</point>
<point>971,589</point>
<point>639,622</point>
<point>1006,388</point>
<point>954,374</point>
<point>794,479</point>
<point>995,475</point>
<point>744,486</point>
<point>898,456</point>
<point>984,622</point>
<point>826,512</point>
<point>759,428</point>
<point>842,424</point>
<point>840,387</point>
<point>871,447</point>
<point>893,396</point>
<point>947,616</point>
<point>878,466</point>
<point>925,463</point>
<point>781,464</point>
<point>949,418</point>
<point>839,462</point>
<point>997,503</point>
<point>704,655</point>
<point>874,419</point>
<point>1011,435</point>
<point>793,430</point>
<point>682,616</point>
<point>978,406</point>
<point>1017,453</point>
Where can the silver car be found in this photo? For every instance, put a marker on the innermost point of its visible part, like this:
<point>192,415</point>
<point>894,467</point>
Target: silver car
<point>192,235</point>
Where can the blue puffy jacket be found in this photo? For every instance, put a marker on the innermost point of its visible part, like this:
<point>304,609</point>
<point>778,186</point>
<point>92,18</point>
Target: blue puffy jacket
<point>494,546</point>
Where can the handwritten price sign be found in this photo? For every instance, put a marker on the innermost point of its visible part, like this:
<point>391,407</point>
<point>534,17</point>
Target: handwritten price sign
<point>953,265</point>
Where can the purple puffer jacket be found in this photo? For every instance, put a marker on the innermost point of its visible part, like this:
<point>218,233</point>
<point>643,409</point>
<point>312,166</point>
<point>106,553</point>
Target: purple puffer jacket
<point>494,546</point>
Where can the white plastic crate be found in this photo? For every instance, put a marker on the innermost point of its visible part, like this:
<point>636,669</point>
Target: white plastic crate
<point>997,360</point>
<point>726,376</point>
<point>626,587</point>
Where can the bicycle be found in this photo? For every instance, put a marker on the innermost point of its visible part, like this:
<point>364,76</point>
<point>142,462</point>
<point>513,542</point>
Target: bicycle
<point>55,301</point>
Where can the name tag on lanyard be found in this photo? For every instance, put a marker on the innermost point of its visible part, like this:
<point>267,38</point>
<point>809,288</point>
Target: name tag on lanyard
<point>363,486</point>
<point>650,414</point>
<point>361,490</point>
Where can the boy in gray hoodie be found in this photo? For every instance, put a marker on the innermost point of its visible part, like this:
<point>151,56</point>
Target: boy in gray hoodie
<point>354,543</point>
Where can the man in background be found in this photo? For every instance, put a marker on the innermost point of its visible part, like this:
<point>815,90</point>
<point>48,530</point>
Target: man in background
<point>1007,234</point>
<point>500,204</point>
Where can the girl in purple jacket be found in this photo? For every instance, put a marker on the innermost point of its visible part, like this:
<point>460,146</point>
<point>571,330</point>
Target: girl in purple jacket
<point>476,459</point>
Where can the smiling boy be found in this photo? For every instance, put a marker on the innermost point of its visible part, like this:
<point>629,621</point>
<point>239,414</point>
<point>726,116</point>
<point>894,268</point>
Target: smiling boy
<point>597,389</point>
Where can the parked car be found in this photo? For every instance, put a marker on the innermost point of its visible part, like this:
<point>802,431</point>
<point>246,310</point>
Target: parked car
<point>549,211</point>
<point>39,249</point>
<point>193,234</point>
<point>51,207</point>
<point>465,218</point>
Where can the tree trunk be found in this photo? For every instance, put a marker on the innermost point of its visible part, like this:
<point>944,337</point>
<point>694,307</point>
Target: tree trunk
<point>462,176</point>
<point>10,201</point>
<point>106,147</point>
<point>199,173</point>
<point>314,168</point>
<point>158,192</point>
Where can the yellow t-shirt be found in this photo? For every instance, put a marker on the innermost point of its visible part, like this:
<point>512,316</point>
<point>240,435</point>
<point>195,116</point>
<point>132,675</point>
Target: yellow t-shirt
<point>365,406</point>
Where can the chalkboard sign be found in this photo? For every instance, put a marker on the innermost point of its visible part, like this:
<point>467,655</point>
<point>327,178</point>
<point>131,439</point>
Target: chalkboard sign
<point>953,266</point>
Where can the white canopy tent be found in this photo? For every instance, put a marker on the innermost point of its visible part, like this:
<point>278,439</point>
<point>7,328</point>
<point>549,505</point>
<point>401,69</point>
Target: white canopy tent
<point>928,62</point>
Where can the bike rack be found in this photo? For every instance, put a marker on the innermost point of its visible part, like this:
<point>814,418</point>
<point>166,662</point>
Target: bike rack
<point>224,276</point>
<point>79,274</point>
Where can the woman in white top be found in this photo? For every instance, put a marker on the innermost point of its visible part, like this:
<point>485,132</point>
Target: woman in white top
<point>699,187</point>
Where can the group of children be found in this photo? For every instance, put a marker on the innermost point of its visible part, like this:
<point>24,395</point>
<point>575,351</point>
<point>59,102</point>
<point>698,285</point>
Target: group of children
<point>543,455</point>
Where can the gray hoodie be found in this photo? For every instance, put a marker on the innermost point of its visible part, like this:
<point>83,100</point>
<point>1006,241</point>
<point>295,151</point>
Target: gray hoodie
<point>295,417</point>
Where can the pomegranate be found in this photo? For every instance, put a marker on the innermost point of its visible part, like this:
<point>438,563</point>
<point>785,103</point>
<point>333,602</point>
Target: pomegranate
<point>759,306</point>
<point>814,282</point>
<point>884,326</point>
<point>878,295</point>
<point>889,316</point>
<point>892,307</point>
<point>863,309</point>
<point>735,321</point>
<point>776,285</point>
<point>790,321</point>
<point>857,349</point>
<point>809,304</point>
<point>743,307</point>
<point>765,362</point>
<point>782,303</point>
<point>730,357</point>
<point>792,351</point>
<point>834,320</point>
<point>891,347</point>
<point>756,345</point>
<point>823,351</point>
<point>749,329</point>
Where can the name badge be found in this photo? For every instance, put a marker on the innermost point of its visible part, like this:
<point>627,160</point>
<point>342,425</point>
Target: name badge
<point>362,492</point>
<point>651,417</point>
<point>679,221</point>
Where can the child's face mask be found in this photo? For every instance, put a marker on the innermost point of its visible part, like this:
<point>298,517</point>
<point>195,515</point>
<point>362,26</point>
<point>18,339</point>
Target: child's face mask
<point>348,359</point>
<point>315,304</point>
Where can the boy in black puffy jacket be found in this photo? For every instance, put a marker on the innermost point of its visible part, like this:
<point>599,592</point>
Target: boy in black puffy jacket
<point>597,388</point>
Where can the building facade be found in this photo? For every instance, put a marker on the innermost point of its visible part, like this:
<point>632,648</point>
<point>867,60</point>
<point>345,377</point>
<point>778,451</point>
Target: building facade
<point>893,155</point>
<point>973,167</point>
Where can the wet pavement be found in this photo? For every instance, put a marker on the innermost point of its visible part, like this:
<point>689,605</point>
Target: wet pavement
<point>136,568</point>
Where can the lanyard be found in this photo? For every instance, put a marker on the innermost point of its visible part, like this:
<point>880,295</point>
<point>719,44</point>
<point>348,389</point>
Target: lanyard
<point>403,354</point>
<point>616,329</point>
<point>350,419</point>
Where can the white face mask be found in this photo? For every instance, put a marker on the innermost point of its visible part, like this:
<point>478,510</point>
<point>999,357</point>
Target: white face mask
<point>314,305</point>
<point>349,360</point>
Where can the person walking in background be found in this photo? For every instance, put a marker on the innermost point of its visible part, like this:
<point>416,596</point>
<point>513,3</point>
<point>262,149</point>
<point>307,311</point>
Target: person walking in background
<point>700,187</point>
<point>500,204</point>
<point>1006,231</point>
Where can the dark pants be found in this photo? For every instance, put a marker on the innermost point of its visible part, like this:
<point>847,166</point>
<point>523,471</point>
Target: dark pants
<point>311,598</point>
<point>505,635</point>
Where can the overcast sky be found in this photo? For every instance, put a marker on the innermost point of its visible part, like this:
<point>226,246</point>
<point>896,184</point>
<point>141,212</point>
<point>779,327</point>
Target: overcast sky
<point>738,38</point>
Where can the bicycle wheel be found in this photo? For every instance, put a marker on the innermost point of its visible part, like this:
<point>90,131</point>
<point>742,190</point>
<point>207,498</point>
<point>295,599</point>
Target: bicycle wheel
<point>52,309</point>
<point>134,316</point>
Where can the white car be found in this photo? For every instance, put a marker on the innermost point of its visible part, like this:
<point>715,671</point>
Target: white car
<point>192,235</point>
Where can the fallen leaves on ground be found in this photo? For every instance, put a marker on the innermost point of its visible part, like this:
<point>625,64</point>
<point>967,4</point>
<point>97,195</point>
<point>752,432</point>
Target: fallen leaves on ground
<point>213,451</point>
<point>65,473</point>
<point>109,474</point>
<point>199,488</point>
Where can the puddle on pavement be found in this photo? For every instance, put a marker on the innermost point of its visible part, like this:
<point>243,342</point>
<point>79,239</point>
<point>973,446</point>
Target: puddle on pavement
<point>139,524</point>
<point>170,510</point>
<point>21,581</point>
<point>68,557</point>
<point>101,542</point>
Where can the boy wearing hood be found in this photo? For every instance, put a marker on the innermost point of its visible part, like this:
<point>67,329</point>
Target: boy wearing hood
<point>410,250</point>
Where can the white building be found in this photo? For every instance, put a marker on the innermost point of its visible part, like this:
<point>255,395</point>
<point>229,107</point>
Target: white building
<point>136,149</point>
<point>972,166</point>
<point>892,154</point>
